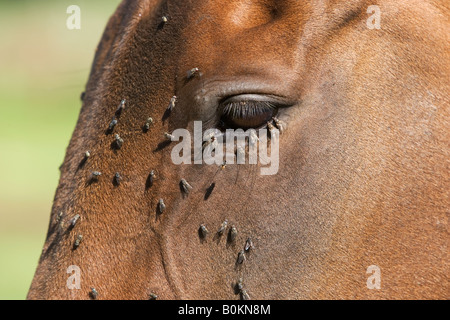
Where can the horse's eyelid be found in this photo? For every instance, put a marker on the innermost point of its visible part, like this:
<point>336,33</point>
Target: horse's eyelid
<point>249,106</point>
<point>247,113</point>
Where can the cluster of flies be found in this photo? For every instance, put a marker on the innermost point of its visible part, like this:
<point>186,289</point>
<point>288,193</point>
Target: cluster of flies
<point>185,187</point>
<point>232,235</point>
<point>117,144</point>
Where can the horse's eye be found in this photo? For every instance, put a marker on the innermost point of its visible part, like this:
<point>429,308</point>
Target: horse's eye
<point>247,114</point>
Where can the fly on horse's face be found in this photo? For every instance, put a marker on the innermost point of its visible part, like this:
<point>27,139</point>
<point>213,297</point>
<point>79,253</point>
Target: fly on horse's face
<point>362,178</point>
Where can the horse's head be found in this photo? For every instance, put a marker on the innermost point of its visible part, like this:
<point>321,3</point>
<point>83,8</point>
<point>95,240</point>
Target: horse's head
<point>362,174</point>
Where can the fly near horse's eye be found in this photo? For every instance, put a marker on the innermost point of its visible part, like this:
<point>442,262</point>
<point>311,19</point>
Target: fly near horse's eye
<point>247,114</point>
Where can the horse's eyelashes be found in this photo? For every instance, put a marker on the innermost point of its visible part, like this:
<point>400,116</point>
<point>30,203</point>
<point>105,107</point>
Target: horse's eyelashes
<point>247,114</point>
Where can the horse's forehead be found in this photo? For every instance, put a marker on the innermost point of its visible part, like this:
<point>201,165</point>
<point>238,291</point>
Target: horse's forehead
<point>236,37</point>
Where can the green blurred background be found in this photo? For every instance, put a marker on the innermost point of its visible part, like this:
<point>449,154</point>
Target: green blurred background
<point>44,67</point>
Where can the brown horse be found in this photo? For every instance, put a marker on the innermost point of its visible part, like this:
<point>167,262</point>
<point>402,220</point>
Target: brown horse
<point>363,174</point>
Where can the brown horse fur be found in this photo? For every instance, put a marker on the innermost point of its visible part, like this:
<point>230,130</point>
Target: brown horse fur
<point>364,162</point>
